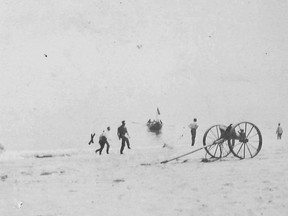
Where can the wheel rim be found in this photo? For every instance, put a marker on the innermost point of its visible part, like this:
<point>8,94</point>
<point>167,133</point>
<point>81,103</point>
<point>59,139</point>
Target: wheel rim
<point>220,148</point>
<point>245,140</point>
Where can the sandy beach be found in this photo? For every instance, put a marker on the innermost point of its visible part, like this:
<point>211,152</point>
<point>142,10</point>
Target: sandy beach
<point>82,183</point>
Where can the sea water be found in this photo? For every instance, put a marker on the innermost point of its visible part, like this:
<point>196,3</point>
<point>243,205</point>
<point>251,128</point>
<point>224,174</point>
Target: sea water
<point>64,77</point>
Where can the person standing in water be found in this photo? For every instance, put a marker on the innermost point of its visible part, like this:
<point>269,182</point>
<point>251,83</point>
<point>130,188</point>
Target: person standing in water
<point>123,134</point>
<point>193,127</point>
<point>103,139</point>
<point>279,131</point>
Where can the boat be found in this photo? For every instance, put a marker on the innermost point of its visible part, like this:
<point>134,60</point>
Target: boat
<point>155,125</point>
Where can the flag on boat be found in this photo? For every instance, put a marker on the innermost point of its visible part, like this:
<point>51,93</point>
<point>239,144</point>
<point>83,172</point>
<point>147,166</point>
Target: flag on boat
<point>158,111</point>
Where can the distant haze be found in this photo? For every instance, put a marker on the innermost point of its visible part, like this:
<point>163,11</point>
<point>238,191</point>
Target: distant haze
<point>69,68</point>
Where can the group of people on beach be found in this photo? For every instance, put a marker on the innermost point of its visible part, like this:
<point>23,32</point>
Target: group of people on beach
<point>124,136</point>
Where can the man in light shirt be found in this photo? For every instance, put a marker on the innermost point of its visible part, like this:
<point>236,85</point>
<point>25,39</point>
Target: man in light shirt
<point>193,127</point>
<point>103,139</point>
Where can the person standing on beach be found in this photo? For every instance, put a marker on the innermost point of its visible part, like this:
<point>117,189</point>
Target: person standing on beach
<point>103,139</point>
<point>193,127</point>
<point>279,131</point>
<point>123,134</point>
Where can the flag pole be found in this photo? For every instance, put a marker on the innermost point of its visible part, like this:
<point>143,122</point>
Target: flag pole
<point>157,113</point>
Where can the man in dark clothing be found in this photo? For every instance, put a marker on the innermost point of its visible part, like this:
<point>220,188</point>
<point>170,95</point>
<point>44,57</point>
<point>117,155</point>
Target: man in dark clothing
<point>123,134</point>
<point>279,131</point>
<point>103,139</point>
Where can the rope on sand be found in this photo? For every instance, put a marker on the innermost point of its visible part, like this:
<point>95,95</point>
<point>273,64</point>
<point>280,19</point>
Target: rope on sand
<point>166,161</point>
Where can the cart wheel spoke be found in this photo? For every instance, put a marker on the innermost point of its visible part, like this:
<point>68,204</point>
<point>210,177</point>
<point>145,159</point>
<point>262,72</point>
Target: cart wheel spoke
<point>211,138</point>
<point>245,127</point>
<point>215,136</point>
<point>240,148</point>
<point>215,151</point>
<point>252,146</point>
<point>217,130</point>
<point>249,151</point>
<point>254,135</point>
<point>250,131</point>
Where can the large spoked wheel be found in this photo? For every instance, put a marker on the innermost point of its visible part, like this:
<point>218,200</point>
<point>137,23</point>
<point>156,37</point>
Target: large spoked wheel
<point>245,140</point>
<point>216,142</point>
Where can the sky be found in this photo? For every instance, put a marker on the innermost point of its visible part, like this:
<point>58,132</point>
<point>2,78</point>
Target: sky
<point>72,67</point>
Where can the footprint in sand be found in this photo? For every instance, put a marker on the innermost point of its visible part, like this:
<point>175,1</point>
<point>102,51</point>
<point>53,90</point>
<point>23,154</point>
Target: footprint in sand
<point>20,204</point>
<point>48,173</point>
<point>4,177</point>
<point>268,189</point>
<point>228,184</point>
<point>52,172</point>
<point>204,206</point>
<point>118,180</point>
<point>26,173</point>
<point>260,199</point>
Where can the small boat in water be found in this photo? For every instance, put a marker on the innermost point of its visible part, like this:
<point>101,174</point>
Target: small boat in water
<point>155,125</point>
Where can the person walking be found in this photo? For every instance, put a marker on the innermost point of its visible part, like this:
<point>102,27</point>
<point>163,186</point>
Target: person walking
<point>103,139</point>
<point>123,134</point>
<point>279,131</point>
<point>193,127</point>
